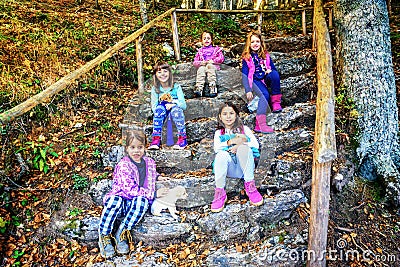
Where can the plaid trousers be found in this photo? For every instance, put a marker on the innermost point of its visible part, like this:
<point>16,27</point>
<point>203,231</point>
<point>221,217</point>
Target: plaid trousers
<point>132,210</point>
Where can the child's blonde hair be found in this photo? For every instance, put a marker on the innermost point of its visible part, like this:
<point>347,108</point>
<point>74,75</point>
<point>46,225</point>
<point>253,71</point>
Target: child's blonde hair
<point>161,66</point>
<point>247,50</point>
<point>135,134</point>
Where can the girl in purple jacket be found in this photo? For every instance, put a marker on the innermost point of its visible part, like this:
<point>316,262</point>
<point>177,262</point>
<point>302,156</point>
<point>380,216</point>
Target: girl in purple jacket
<point>207,61</point>
<point>132,192</point>
<point>258,71</point>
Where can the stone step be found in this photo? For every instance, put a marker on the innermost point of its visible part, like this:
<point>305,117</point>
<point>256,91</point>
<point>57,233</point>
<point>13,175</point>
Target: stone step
<point>276,175</point>
<point>201,155</point>
<point>236,221</point>
<point>298,115</point>
<point>298,85</point>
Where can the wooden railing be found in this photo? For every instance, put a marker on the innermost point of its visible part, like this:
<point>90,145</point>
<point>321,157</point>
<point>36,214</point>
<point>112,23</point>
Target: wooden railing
<point>61,84</point>
<point>324,144</point>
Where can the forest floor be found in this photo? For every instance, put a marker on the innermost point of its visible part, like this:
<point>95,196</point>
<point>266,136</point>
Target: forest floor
<point>41,42</point>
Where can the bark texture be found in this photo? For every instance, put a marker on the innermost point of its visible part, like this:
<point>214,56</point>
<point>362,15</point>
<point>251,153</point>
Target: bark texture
<point>143,11</point>
<point>365,70</point>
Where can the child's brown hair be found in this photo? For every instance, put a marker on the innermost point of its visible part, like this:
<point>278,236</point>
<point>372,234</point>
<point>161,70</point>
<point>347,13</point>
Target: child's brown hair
<point>210,33</point>
<point>135,134</point>
<point>247,50</point>
<point>237,125</point>
<point>161,66</point>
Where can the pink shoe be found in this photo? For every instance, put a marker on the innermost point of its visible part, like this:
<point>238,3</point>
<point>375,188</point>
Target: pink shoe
<point>219,200</point>
<point>255,197</point>
<point>181,143</point>
<point>261,125</point>
<point>155,143</point>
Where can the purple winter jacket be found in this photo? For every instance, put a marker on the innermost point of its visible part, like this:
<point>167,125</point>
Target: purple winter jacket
<point>126,180</point>
<point>216,55</point>
<point>248,69</point>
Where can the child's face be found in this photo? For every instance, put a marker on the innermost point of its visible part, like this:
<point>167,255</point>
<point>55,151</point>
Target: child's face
<point>135,150</point>
<point>206,39</point>
<point>255,43</point>
<point>162,75</point>
<point>228,117</point>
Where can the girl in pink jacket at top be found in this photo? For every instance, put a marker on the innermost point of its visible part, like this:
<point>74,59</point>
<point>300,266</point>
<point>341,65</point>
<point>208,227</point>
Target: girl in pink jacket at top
<point>207,61</point>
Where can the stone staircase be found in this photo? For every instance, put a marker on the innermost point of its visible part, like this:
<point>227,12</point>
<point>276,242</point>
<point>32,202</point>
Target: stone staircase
<point>283,174</point>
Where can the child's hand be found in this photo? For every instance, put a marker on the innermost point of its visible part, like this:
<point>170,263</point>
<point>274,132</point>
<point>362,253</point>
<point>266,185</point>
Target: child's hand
<point>249,96</point>
<point>211,61</point>
<point>169,105</point>
<point>242,136</point>
<point>203,63</point>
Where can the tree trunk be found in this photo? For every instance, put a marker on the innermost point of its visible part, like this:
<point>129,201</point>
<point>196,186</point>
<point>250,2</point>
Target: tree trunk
<point>365,72</point>
<point>143,11</point>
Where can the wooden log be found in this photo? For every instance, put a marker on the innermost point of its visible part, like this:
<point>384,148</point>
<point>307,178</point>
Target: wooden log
<point>241,11</point>
<point>324,144</point>
<point>61,84</point>
<point>139,65</point>
<point>175,36</point>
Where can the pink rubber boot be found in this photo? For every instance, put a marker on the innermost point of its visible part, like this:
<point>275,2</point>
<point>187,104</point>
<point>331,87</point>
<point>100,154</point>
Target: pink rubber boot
<point>219,200</point>
<point>261,125</point>
<point>255,197</point>
<point>276,103</point>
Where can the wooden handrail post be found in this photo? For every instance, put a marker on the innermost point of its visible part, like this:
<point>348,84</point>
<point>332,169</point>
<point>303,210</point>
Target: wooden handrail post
<point>303,22</point>
<point>260,20</point>
<point>175,36</point>
<point>139,65</point>
<point>324,143</point>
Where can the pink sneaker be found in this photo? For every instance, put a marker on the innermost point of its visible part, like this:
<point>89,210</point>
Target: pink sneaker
<point>219,200</point>
<point>255,197</point>
<point>155,143</point>
<point>181,143</point>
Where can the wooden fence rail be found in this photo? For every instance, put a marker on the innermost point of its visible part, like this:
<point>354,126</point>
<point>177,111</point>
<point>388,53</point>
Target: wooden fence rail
<point>61,84</point>
<point>136,37</point>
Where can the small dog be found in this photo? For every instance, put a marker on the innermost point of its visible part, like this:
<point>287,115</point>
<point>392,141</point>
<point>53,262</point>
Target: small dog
<point>166,98</point>
<point>168,201</point>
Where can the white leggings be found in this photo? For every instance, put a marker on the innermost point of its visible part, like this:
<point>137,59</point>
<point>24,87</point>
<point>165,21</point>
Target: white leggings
<point>241,166</point>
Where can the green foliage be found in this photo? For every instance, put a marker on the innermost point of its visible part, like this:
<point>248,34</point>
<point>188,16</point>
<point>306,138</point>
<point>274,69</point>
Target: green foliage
<point>17,255</point>
<point>41,155</point>
<point>74,212</point>
<point>346,116</point>
<point>80,182</point>
<point>3,225</point>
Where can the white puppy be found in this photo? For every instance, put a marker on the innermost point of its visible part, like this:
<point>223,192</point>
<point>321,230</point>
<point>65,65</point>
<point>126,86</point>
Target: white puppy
<point>168,201</point>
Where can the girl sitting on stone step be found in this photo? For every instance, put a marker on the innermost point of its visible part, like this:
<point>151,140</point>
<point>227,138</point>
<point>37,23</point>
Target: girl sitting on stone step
<point>168,103</point>
<point>132,193</point>
<point>235,146</point>
<point>258,71</point>
<point>207,61</point>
